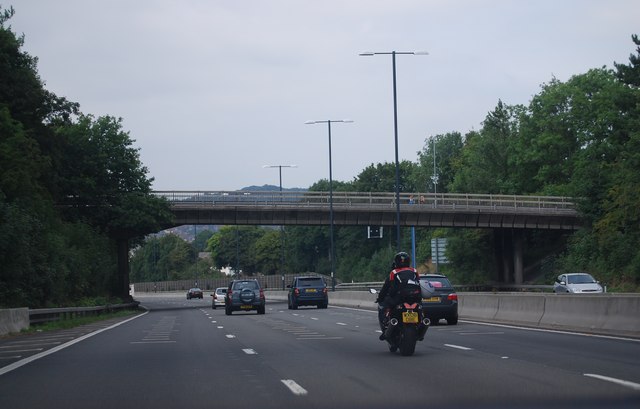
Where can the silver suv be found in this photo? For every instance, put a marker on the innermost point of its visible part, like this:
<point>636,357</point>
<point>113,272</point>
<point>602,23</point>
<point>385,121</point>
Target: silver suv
<point>244,295</point>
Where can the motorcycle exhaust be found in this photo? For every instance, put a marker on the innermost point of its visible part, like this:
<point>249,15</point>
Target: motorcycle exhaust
<point>391,329</point>
<point>422,328</point>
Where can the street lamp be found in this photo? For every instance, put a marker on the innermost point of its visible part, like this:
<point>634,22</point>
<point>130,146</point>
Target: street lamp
<point>281,227</point>
<point>395,126</point>
<point>332,249</point>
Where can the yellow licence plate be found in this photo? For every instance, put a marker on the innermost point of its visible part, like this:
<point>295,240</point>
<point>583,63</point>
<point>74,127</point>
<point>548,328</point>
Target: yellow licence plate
<point>311,290</point>
<point>432,299</point>
<point>410,317</point>
<point>246,307</point>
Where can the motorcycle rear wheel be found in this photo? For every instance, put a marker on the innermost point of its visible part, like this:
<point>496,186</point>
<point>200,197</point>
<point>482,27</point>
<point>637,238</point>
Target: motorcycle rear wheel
<point>408,340</point>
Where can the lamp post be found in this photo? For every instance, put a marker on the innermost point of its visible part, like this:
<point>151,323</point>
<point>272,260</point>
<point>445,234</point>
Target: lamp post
<point>281,227</point>
<point>332,247</point>
<point>395,126</point>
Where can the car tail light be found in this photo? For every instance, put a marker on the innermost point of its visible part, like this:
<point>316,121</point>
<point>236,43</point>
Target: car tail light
<point>229,292</point>
<point>261,294</point>
<point>325,291</point>
<point>296,291</point>
<point>452,297</point>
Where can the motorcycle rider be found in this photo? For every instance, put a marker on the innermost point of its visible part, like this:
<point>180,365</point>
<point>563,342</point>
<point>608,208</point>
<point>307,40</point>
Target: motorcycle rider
<point>401,275</point>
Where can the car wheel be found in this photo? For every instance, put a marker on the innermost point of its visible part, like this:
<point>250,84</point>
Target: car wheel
<point>213,306</point>
<point>294,306</point>
<point>261,310</point>
<point>452,320</point>
<point>227,311</point>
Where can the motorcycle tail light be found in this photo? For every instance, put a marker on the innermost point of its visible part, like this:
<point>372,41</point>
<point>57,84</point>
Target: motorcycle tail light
<point>453,297</point>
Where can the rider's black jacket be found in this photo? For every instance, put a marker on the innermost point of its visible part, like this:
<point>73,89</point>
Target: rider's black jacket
<point>394,282</point>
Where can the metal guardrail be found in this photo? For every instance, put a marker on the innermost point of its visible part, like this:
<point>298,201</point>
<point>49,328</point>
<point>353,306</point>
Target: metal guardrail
<point>546,204</point>
<point>43,315</point>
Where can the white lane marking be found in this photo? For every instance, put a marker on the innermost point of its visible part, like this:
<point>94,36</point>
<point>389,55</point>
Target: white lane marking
<point>42,354</point>
<point>341,323</point>
<point>320,337</point>
<point>553,331</point>
<point>315,318</point>
<point>504,357</point>
<point>11,357</point>
<point>153,342</point>
<point>628,384</point>
<point>230,336</point>
<point>250,351</point>
<point>457,347</point>
<point>294,387</point>
<point>220,326</point>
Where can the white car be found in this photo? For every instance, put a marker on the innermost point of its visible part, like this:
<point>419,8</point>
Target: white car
<point>577,283</point>
<point>218,297</point>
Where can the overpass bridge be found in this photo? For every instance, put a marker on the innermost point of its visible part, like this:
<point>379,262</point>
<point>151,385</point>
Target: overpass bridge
<point>372,209</point>
<point>508,214</point>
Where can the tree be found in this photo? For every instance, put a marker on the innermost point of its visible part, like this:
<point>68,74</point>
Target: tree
<point>447,149</point>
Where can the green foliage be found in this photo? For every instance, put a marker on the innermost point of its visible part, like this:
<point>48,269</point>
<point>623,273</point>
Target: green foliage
<point>70,186</point>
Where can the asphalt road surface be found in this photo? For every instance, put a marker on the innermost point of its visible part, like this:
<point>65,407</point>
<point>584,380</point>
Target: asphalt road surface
<point>181,353</point>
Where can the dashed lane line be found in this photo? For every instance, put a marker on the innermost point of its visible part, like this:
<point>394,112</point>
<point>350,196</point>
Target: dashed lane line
<point>294,387</point>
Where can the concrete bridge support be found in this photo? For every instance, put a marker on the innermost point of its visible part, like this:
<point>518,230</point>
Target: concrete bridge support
<point>510,254</point>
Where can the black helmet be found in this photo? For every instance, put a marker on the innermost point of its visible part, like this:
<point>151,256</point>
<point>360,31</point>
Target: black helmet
<point>402,259</point>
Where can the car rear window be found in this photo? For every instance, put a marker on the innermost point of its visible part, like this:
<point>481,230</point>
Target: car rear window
<point>439,282</point>
<point>252,285</point>
<point>310,282</point>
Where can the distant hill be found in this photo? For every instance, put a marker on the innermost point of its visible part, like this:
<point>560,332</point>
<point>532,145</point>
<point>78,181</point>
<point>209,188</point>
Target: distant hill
<point>271,188</point>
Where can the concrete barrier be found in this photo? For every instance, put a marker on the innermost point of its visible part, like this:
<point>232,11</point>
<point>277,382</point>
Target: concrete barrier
<point>606,314</point>
<point>523,309</point>
<point>13,320</point>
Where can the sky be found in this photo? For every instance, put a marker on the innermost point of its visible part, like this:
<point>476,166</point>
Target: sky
<point>211,91</point>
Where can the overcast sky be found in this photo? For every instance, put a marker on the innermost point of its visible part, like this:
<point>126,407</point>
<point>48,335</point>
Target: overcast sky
<point>212,90</point>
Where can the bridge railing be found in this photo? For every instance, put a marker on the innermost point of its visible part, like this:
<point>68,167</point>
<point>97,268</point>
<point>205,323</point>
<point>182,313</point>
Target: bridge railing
<point>369,199</point>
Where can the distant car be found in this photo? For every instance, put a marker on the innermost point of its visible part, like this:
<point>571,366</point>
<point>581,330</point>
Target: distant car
<point>194,293</point>
<point>218,297</point>
<point>244,295</point>
<point>441,300</point>
<point>577,283</point>
<point>307,291</point>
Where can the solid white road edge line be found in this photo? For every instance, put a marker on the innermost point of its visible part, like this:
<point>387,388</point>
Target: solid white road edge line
<point>32,358</point>
<point>294,387</point>
<point>628,384</point>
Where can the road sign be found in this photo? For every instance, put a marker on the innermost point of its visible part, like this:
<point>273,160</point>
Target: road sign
<point>438,250</point>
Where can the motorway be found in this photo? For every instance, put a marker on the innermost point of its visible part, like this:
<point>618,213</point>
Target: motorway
<point>181,353</point>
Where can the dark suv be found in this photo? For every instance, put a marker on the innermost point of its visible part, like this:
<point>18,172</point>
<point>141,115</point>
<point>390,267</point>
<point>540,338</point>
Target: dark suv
<point>307,291</point>
<point>244,295</point>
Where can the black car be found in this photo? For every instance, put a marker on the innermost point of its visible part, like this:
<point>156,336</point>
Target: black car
<point>194,293</point>
<point>441,300</point>
<point>307,291</point>
<point>244,295</point>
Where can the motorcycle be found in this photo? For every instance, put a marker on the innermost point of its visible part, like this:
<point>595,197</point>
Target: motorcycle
<point>403,326</point>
